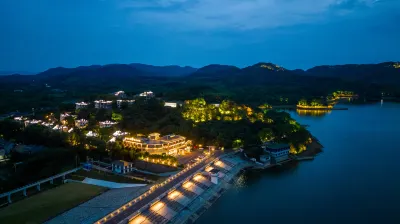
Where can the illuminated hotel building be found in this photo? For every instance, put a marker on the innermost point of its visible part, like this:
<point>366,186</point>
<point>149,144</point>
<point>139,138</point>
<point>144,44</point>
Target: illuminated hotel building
<point>102,104</point>
<point>154,144</point>
<point>81,105</point>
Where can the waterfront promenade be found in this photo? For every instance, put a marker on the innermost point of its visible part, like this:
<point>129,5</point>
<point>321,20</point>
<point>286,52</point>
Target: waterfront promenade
<point>122,214</point>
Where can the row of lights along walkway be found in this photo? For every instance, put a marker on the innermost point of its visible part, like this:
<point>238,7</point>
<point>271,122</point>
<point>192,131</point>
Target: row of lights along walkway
<point>189,195</point>
<point>129,207</point>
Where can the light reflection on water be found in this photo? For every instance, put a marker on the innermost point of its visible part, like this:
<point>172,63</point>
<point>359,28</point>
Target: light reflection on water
<point>240,181</point>
<point>313,113</point>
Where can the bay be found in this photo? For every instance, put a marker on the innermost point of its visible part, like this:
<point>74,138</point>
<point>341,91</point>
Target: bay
<point>355,180</point>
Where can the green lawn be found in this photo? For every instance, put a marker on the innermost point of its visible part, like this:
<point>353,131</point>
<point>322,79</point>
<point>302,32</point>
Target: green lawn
<point>94,174</point>
<point>48,204</point>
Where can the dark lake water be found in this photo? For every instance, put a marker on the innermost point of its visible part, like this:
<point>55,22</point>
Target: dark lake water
<point>355,180</point>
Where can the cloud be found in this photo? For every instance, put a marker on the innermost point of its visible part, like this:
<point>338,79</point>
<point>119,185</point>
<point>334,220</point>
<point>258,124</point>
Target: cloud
<point>237,14</point>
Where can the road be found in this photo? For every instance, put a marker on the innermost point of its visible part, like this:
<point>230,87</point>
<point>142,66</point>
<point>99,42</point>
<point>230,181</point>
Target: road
<point>132,209</point>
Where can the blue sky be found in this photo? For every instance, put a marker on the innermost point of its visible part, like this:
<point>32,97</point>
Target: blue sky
<point>40,34</point>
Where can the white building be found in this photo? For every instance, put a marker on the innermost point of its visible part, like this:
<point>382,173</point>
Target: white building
<point>29,122</point>
<point>107,124</point>
<point>129,102</point>
<point>81,123</point>
<point>122,167</point>
<point>120,134</point>
<point>63,116</point>
<point>147,94</point>
<point>120,94</point>
<point>102,104</point>
<point>170,104</point>
<point>173,104</point>
<point>81,105</point>
<point>91,134</point>
<point>279,152</point>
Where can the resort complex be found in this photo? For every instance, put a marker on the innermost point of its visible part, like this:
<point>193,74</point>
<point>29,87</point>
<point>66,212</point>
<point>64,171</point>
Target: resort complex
<point>154,144</point>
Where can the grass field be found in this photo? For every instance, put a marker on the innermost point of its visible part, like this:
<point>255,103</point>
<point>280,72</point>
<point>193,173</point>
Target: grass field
<point>50,203</point>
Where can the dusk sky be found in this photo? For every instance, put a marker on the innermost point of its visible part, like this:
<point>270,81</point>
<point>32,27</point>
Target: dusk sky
<point>40,34</point>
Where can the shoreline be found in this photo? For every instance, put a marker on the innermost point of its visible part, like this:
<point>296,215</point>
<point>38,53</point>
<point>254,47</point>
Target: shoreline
<point>313,150</point>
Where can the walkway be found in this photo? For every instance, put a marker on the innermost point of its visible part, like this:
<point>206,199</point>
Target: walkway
<point>109,184</point>
<point>122,214</point>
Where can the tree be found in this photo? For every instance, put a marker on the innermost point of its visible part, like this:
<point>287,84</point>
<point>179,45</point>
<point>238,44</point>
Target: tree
<point>70,121</point>
<point>102,115</point>
<point>266,135</point>
<point>116,116</point>
<point>237,143</point>
<point>303,102</point>
<point>10,129</point>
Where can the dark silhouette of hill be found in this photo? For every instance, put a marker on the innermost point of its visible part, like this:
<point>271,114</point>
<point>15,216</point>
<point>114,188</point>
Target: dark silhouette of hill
<point>170,70</point>
<point>383,73</point>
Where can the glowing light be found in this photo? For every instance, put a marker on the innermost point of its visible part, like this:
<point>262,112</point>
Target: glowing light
<point>138,219</point>
<point>198,177</point>
<point>157,206</point>
<point>174,194</point>
<point>187,185</point>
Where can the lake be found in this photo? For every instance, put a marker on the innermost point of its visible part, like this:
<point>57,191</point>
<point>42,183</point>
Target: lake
<point>355,180</point>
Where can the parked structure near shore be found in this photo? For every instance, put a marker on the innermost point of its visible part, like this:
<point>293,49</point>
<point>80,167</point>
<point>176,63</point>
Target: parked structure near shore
<point>278,151</point>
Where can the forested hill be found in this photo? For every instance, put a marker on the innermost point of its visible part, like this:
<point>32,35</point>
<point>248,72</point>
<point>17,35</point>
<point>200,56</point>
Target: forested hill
<point>258,83</point>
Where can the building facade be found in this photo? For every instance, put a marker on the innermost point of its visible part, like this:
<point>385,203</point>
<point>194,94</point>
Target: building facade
<point>154,144</point>
<point>279,152</point>
<point>120,102</point>
<point>106,124</point>
<point>81,105</point>
<point>122,167</point>
<point>147,94</point>
<point>103,104</point>
<point>82,123</point>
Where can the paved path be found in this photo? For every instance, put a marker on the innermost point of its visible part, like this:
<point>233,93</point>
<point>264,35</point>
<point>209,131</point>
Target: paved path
<point>132,209</point>
<point>109,184</point>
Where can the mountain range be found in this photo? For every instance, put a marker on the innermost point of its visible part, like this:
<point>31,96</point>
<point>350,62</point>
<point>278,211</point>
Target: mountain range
<point>137,76</point>
<point>254,85</point>
<point>382,72</point>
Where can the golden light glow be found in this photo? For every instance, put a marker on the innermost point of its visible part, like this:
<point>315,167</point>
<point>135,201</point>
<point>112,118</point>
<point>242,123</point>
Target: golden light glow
<point>218,163</point>
<point>157,206</point>
<point>198,177</point>
<point>174,194</point>
<point>208,169</point>
<point>187,185</point>
<point>137,220</point>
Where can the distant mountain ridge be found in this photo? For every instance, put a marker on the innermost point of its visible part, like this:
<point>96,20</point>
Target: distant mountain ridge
<point>387,73</point>
<point>130,69</point>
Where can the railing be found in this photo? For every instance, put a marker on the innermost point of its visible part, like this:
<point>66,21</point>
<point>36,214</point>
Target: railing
<point>39,182</point>
<point>126,220</point>
<point>122,208</point>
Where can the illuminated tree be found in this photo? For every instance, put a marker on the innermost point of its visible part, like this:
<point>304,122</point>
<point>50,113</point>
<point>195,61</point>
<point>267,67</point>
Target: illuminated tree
<point>238,143</point>
<point>303,102</point>
<point>266,135</point>
<point>116,116</point>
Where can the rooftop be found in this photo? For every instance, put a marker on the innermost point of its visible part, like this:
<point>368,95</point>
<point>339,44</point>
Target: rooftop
<point>214,171</point>
<point>121,163</point>
<point>277,146</point>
